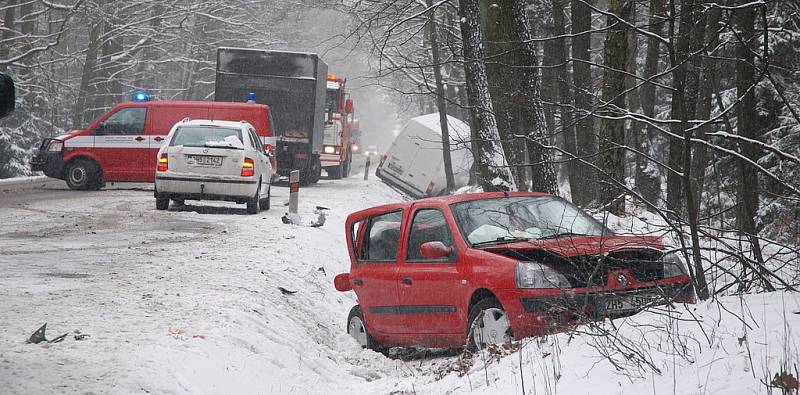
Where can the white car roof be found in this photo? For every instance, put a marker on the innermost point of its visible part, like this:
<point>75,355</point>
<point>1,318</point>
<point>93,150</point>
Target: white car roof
<point>208,122</point>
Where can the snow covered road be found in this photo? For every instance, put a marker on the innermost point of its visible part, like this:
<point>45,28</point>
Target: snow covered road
<point>178,301</point>
<point>189,301</point>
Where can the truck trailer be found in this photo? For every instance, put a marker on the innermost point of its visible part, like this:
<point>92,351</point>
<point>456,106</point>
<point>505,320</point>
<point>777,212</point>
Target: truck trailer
<point>293,84</point>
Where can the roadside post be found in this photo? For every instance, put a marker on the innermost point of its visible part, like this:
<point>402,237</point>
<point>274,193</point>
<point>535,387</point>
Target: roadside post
<point>366,168</point>
<point>294,190</point>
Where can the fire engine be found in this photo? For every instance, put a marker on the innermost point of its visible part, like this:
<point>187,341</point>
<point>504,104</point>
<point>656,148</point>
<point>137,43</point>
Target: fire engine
<point>338,132</point>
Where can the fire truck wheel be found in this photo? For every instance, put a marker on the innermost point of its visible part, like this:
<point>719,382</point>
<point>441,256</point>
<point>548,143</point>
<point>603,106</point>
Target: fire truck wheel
<point>162,202</point>
<point>253,205</point>
<point>82,175</point>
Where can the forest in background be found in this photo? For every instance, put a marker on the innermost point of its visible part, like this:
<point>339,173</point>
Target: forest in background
<point>687,109</point>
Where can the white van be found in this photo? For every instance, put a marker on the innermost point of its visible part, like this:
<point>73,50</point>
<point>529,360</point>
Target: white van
<point>414,163</point>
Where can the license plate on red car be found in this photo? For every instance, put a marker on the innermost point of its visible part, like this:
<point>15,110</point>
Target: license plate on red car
<point>627,303</point>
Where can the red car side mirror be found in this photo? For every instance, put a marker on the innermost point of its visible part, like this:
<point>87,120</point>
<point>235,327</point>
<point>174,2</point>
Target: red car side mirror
<point>342,282</point>
<point>434,250</point>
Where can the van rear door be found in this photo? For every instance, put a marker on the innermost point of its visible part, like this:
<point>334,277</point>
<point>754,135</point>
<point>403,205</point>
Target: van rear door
<point>161,121</point>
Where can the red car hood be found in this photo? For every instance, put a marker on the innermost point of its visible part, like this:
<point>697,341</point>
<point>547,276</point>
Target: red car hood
<point>571,246</point>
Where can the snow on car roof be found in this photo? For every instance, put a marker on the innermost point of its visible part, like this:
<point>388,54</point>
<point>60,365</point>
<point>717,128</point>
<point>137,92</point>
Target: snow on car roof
<point>208,122</point>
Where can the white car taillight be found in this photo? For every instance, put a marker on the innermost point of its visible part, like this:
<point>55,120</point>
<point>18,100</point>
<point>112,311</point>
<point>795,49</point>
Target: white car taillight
<point>163,163</point>
<point>248,168</point>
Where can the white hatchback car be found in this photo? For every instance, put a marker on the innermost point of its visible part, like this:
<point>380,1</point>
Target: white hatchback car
<point>213,160</point>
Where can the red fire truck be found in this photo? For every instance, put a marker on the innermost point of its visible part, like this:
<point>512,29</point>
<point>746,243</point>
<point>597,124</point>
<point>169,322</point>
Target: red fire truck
<point>337,153</point>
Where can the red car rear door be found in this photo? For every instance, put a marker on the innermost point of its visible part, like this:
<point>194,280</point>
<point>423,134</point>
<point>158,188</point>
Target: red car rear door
<point>374,277</point>
<point>433,292</point>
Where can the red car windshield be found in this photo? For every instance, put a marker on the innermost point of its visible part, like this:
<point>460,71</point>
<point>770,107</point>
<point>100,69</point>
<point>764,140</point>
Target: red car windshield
<point>522,218</point>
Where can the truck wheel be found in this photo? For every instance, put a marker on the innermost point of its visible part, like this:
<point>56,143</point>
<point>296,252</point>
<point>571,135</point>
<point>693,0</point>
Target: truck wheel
<point>346,166</point>
<point>334,173</point>
<point>357,329</point>
<point>162,202</point>
<point>488,324</point>
<point>83,175</point>
<point>316,170</point>
<point>253,205</point>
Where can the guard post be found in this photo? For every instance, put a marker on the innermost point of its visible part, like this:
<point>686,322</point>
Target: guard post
<point>294,190</point>
<point>366,168</point>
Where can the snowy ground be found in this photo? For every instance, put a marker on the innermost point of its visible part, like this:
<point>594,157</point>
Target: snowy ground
<point>188,301</point>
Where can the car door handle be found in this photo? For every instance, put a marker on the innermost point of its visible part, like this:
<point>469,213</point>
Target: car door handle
<point>407,280</point>
<point>358,281</point>
<point>158,139</point>
<point>139,138</point>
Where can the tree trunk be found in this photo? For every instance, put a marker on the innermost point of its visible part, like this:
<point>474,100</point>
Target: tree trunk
<point>709,74</point>
<point>678,57</point>
<point>502,70</point>
<point>543,174</point>
<point>8,25</point>
<point>564,93</point>
<point>612,131</point>
<point>747,181</point>
<point>584,192</point>
<point>440,103</point>
<point>647,178</point>
<point>488,154</point>
<point>88,75</point>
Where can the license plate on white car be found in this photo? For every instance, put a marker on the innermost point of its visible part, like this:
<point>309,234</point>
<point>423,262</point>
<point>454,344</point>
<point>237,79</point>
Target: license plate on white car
<point>205,160</point>
<point>625,304</point>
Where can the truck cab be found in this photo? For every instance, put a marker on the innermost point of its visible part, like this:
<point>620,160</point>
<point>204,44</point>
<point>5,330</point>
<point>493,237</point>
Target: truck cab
<point>337,154</point>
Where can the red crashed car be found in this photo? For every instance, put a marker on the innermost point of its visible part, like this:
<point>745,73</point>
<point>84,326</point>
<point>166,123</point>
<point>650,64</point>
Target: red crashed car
<point>479,269</point>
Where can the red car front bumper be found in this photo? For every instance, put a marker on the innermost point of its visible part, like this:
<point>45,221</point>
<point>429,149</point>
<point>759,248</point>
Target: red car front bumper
<point>535,312</point>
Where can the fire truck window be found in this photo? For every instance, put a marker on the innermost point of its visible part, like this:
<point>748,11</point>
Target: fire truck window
<point>127,121</point>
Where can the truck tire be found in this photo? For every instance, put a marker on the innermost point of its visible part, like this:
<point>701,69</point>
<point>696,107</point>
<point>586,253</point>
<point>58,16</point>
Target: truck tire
<point>83,175</point>
<point>334,173</point>
<point>316,169</point>
<point>347,165</point>
<point>310,175</point>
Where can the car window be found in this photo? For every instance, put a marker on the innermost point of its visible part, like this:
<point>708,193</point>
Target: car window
<point>126,121</point>
<point>207,136</point>
<point>255,141</point>
<point>382,237</point>
<point>428,225</point>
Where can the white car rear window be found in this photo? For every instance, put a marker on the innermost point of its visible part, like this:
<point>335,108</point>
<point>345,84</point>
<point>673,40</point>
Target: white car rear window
<point>207,136</point>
